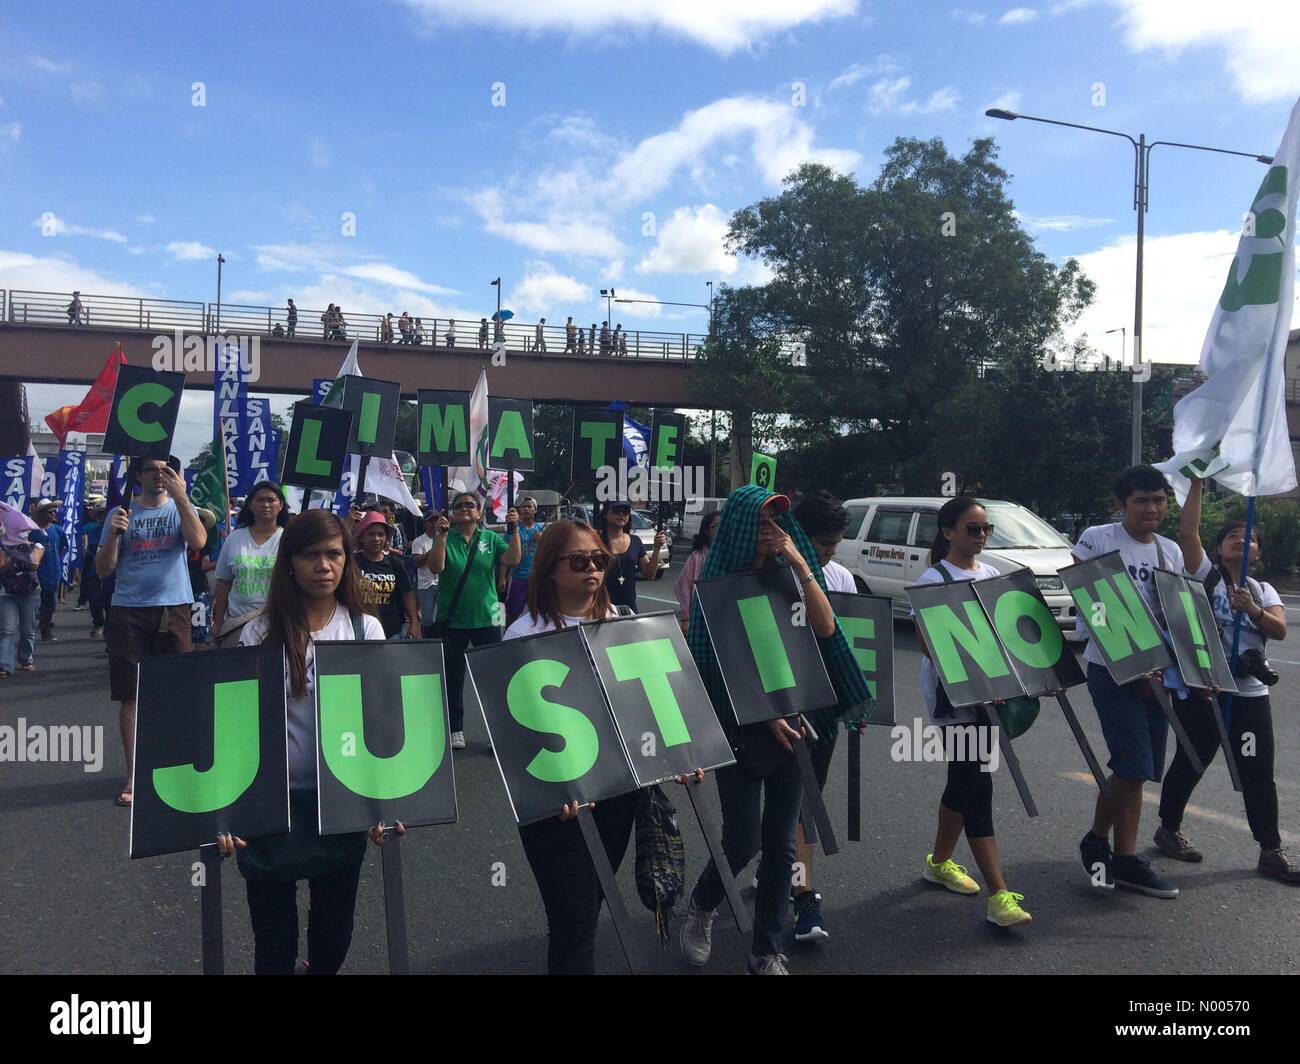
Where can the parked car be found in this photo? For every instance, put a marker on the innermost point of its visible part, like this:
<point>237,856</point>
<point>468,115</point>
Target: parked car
<point>887,547</point>
<point>642,528</point>
<point>696,511</point>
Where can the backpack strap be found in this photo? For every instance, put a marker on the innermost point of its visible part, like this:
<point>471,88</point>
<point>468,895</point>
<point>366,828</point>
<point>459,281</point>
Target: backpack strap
<point>1160,554</point>
<point>358,627</point>
<point>943,571</point>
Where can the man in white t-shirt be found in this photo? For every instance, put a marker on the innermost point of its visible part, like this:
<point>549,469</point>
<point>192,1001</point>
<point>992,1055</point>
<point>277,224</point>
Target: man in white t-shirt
<point>1132,721</point>
<point>426,583</point>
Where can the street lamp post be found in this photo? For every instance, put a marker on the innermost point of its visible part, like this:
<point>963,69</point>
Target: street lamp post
<point>1123,341</point>
<point>1141,188</point>
<point>609,295</point>
<point>221,259</point>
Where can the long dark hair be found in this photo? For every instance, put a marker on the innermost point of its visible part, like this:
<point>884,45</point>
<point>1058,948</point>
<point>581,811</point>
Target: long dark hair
<point>949,514</point>
<point>286,608</point>
<point>701,539</point>
<point>1225,530</point>
<point>542,601</point>
<point>245,518</point>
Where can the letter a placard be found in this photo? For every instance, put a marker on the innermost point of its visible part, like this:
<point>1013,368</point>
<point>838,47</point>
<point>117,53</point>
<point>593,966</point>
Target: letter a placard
<point>142,420</point>
<point>383,749</point>
<point>655,691</point>
<point>551,732</point>
<point>318,445</point>
<point>771,665</point>
<point>210,749</point>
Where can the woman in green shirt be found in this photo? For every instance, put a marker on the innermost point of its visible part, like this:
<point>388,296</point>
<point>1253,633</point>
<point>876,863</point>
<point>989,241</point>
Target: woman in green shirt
<point>464,558</point>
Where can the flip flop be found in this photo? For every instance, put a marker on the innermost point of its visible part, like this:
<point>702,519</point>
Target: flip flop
<point>124,799</point>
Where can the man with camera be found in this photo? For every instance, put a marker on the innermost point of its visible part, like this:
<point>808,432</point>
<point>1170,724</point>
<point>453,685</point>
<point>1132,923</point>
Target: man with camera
<point>1251,727</point>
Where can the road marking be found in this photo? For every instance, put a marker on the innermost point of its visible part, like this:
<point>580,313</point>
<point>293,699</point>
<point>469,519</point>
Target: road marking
<point>1226,819</point>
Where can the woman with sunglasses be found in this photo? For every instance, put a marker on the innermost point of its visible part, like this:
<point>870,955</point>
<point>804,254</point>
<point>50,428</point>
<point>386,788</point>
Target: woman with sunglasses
<point>314,595</point>
<point>629,554</point>
<point>967,801</point>
<point>567,587</point>
<point>464,558</point>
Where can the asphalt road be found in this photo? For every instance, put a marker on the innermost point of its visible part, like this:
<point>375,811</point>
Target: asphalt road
<point>75,903</point>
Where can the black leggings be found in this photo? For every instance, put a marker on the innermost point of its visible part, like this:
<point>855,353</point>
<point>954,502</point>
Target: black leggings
<point>273,908</point>
<point>970,790</point>
<point>1249,715</point>
<point>454,643</point>
<point>567,879</point>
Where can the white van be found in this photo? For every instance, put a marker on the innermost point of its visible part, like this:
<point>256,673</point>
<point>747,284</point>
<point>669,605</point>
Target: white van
<point>887,547</point>
<point>696,510</point>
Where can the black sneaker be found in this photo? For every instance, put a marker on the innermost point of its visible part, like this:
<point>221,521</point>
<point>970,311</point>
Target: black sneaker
<point>1134,873</point>
<point>809,923</point>
<point>1097,861</point>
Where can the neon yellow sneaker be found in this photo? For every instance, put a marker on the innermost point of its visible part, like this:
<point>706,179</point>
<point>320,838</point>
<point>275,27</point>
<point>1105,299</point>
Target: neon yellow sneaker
<point>949,874</point>
<point>1005,910</point>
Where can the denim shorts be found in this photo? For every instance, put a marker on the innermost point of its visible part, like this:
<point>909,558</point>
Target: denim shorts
<point>1134,726</point>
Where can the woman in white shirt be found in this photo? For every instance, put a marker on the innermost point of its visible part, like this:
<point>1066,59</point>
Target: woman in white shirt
<point>314,595</point>
<point>967,801</point>
<point>243,571</point>
<point>1251,714</point>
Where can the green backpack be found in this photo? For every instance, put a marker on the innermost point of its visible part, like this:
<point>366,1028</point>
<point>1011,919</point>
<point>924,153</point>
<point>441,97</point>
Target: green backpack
<point>1016,715</point>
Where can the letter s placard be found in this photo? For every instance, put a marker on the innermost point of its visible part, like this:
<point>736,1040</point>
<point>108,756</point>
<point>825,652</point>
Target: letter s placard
<point>551,731</point>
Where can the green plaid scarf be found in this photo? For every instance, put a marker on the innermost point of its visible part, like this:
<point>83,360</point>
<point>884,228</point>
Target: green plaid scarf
<point>732,551</point>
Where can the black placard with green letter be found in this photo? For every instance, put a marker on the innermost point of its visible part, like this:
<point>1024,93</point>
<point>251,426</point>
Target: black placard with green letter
<point>1194,631</point>
<point>868,624</point>
<point>766,649</point>
<point>318,446</point>
<point>1117,617</point>
<point>1030,636</point>
<point>597,443</point>
<point>383,750</point>
<point>142,420</point>
<point>667,440</point>
<point>510,433</point>
<point>373,404</point>
<point>659,703</point>
<point>210,749</point>
<point>967,655</point>
<point>442,427</point>
<point>551,732</point>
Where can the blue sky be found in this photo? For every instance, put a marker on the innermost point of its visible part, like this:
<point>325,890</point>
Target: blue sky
<point>630,131</point>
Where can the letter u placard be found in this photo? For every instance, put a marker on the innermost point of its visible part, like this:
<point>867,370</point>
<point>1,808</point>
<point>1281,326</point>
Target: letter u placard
<point>209,749</point>
<point>383,748</point>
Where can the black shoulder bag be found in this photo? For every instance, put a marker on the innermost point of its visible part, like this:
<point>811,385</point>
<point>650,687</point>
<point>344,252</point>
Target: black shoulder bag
<point>444,624</point>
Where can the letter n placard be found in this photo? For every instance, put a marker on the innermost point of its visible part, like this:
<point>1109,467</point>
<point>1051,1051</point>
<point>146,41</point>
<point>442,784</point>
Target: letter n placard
<point>383,749</point>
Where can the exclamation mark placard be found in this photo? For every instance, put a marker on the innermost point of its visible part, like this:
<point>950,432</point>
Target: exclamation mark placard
<point>1198,634</point>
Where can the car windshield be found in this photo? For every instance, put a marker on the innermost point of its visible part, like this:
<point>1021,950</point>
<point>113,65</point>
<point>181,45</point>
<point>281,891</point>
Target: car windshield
<point>639,522</point>
<point>1018,528</point>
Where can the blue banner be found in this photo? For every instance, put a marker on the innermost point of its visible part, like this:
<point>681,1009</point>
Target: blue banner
<point>229,399</point>
<point>16,482</point>
<point>320,387</point>
<point>116,494</point>
<point>432,486</point>
<point>72,470</point>
<point>258,445</point>
<point>636,442</point>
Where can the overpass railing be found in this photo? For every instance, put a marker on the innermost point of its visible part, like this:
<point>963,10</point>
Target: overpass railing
<point>84,310</point>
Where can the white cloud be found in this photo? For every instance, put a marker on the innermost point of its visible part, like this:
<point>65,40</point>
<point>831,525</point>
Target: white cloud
<point>691,241</point>
<point>1017,16</point>
<point>563,229</point>
<point>887,96</point>
<point>255,297</point>
<point>191,251</point>
<point>11,131</point>
<point>48,66</point>
<point>62,228</point>
<point>633,311</point>
<point>723,25</point>
<point>546,293</point>
<point>1008,101</point>
<point>318,152</point>
<point>944,99</point>
<point>858,71</point>
<point>386,274</point>
<point>145,219</point>
<point>1060,223</point>
<point>974,18</point>
<point>1257,40</point>
<point>1183,279</point>
<point>86,91</point>
<point>55,273</point>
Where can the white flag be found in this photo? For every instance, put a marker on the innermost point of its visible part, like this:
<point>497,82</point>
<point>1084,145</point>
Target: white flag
<point>497,478</point>
<point>474,477</point>
<point>1233,427</point>
<point>384,478</point>
<point>350,368</point>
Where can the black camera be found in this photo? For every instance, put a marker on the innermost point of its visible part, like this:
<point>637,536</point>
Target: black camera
<point>1253,663</point>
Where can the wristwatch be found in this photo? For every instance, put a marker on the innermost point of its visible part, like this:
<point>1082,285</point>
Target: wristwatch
<point>805,580</point>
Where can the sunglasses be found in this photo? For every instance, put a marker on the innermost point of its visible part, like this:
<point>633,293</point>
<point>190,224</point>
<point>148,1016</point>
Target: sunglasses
<point>465,505</point>
<point>976,531</point>
<point>580,562</point>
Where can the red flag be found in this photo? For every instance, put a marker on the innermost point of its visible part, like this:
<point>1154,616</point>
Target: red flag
<point>91,414</point>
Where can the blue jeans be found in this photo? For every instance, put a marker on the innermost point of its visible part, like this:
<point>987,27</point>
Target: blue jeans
<point>18,619</point>
<point>758,815</point>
